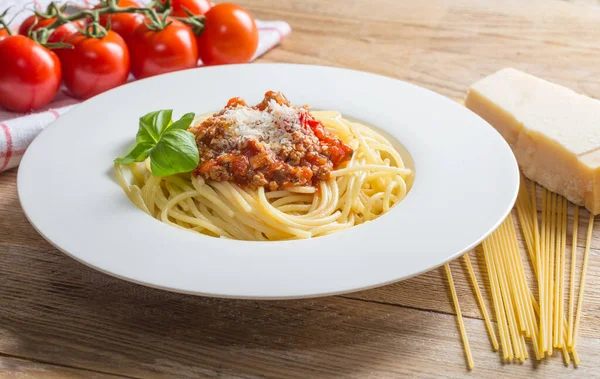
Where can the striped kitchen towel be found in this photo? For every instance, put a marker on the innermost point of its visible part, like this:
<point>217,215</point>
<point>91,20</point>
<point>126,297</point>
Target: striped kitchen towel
<point>17,130</point>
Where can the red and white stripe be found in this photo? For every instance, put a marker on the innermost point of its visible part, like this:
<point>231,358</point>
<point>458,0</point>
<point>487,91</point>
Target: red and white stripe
<point>18,130</point>
<point>16,134</point>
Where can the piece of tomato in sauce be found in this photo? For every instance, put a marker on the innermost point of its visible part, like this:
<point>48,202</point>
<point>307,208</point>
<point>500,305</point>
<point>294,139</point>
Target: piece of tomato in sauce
<point>339,151</point>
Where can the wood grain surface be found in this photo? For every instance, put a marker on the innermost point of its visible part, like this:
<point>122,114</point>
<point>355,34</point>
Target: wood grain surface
<point>59,318</point>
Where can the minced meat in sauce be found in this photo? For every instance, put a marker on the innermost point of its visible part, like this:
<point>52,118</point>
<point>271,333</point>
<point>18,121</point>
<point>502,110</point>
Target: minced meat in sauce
<point>271,144</point>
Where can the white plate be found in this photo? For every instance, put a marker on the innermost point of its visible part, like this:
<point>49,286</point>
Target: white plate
<point>465,184</point>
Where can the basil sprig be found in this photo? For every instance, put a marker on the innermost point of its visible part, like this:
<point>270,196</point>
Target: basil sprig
<point>171,148</point>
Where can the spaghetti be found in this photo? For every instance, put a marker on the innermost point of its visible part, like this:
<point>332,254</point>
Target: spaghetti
<point>461,323</point>
<point>586,254</point>
<point>338,188</point>
<point>519,315</point>
<point>481,303</point>
<point>572,276</point>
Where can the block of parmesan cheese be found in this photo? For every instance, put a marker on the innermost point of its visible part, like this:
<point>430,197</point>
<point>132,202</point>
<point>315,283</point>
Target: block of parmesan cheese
<point>553,131</point>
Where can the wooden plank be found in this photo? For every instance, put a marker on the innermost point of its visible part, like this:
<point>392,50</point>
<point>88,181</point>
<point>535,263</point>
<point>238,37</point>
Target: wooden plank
<point>591,3</point>
<point>11,367</point>
<point>14,227</point>
<point>444,45</point>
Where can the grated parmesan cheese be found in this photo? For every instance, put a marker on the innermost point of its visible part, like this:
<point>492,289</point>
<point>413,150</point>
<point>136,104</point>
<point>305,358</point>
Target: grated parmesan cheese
<point>274,126</point>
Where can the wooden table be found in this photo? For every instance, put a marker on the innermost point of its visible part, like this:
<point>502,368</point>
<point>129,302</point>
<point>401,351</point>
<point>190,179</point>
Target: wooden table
<point>60,318</point>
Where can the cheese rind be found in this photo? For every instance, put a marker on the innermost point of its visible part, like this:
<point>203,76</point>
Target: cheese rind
<point>553,131</point>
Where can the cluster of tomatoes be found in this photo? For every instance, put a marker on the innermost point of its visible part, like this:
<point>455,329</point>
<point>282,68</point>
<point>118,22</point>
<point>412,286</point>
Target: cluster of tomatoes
<point>91,57</point>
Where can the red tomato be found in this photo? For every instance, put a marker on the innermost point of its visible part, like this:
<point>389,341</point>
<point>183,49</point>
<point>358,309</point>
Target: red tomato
<point>157,52</point>
<point>94,65</point>
<point>64,31</point>
<point>57,35</point>
<point>30,74</point>
<point>229,36</point>
<point>3,34</point>
<point>29,21</point>
<point>197,7</point>
<point>123,23</point>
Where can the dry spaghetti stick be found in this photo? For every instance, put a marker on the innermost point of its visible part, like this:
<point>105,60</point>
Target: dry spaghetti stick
<point>565,353</point>
<point>517,276</point>
<point>575,356</point>
<point>550,287</point>
<point>586,254</point>
<point>461,324</point>
<point>561,288</point>
<point>497,300</point>
<point>572,275</point>
<point>524,216</point>
<point>535,339</point>
<point>544,216</point>
<point>524,348</point>
<point>548,310</point>
<point>542,274</point>
<point>558,244</point>
<point>482,307</point>
<point>539,265</point>
<point>564,349</point>
<point>526,226</point>
<point>528,216</point>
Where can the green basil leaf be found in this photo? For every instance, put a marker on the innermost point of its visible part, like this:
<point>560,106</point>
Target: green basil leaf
<point>163,120</point>
<point>144,139</point>
<point>176,152</point>
<point>153,125</point>
<point>184,122</point>
<point>146,131</point>
<point>171,148</point>
<point>139,153</point>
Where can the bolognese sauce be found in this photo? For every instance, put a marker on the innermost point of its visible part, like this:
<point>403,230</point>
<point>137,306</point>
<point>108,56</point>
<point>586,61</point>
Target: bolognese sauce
<point>271,144</point>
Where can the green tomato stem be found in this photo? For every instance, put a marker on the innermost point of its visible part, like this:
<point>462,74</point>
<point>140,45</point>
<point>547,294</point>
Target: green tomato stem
<point>196,22</point>
<point>4,24</point>
<point>157,20</point>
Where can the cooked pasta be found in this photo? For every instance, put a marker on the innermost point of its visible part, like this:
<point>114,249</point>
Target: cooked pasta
<point>368,184</point>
